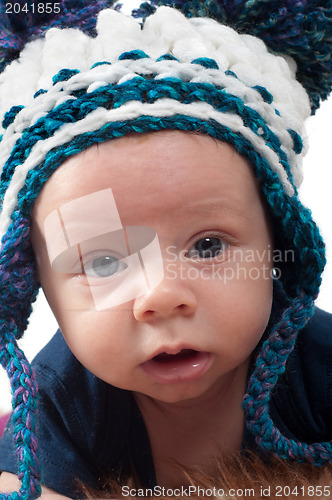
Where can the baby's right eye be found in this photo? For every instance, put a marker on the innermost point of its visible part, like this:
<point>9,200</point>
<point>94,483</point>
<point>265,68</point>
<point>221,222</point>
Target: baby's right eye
<point>104,266</point>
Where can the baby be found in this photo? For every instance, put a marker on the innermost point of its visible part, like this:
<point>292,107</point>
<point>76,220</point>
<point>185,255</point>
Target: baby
<point>149,185</point>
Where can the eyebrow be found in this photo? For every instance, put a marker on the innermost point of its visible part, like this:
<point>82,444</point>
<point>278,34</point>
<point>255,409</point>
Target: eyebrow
<point>220,206</point>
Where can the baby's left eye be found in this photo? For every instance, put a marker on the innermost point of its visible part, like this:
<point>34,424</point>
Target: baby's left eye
<point>207,248</point>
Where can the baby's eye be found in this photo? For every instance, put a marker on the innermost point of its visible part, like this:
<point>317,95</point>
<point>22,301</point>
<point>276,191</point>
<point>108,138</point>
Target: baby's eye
<point>207,248</point>
<point>104,266</point>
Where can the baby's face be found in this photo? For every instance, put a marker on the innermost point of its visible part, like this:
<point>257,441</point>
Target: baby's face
<point>186,319</point>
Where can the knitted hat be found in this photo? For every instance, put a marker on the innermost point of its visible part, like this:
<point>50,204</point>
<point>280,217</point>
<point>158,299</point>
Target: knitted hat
<point>204,69</point>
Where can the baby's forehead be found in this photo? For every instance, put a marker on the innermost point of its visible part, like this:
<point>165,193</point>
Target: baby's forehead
<point>163,172</point>
<point>176,153</point>
<point>168,139</point>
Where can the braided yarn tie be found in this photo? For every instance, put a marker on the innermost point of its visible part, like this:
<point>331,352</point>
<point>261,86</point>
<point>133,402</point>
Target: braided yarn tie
<point>270,364</point>
<point>18,290</point>
<point>24,391</point>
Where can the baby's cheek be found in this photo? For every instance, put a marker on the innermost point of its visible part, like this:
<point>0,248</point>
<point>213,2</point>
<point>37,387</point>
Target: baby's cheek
<point>256,309</point>
<point>94,335</point>
<point>242,309</point>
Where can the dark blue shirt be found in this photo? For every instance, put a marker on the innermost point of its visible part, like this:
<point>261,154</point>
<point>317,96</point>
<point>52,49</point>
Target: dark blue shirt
<point>88,429</point>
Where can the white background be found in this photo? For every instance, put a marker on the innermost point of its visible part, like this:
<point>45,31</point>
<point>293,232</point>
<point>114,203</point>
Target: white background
<point>315,193</point>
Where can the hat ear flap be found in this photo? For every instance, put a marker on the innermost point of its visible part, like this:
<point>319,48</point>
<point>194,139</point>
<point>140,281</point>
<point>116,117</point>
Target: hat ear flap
<point>18,279</point>
<point>299,249</point>
<point>270,364</point>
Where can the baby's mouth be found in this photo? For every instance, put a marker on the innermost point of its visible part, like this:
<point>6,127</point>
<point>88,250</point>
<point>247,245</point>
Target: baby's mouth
<point>185,365</point>
<point>164,357</point>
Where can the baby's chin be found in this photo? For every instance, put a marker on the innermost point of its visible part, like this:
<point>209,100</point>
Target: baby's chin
<point>193,394</point>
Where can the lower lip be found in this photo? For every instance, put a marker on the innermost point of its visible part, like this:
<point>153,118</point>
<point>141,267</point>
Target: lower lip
<point>175,370</point>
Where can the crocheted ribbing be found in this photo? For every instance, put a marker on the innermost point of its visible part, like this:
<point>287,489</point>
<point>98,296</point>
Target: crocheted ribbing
<point>139,85</point>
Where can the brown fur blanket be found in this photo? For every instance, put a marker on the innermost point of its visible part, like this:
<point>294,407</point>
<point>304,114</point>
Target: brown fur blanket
<point>235,478</point>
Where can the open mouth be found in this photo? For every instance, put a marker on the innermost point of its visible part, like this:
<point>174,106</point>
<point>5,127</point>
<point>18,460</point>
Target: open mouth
<point>185,365</point>
<point>184,354</point>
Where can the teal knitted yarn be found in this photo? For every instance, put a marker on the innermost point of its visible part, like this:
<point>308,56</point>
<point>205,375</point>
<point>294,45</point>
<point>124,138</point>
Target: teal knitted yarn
<point>184,83</point>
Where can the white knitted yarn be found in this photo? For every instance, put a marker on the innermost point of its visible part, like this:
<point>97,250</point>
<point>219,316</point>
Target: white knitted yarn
<point>167,31</point>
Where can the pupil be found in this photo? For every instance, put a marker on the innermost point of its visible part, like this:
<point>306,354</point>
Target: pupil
<point>208,247</point>
<point>105,266</point>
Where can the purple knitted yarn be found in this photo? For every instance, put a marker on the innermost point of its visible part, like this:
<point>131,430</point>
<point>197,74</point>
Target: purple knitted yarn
<point>270,364</point>
<point>22,25</point>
